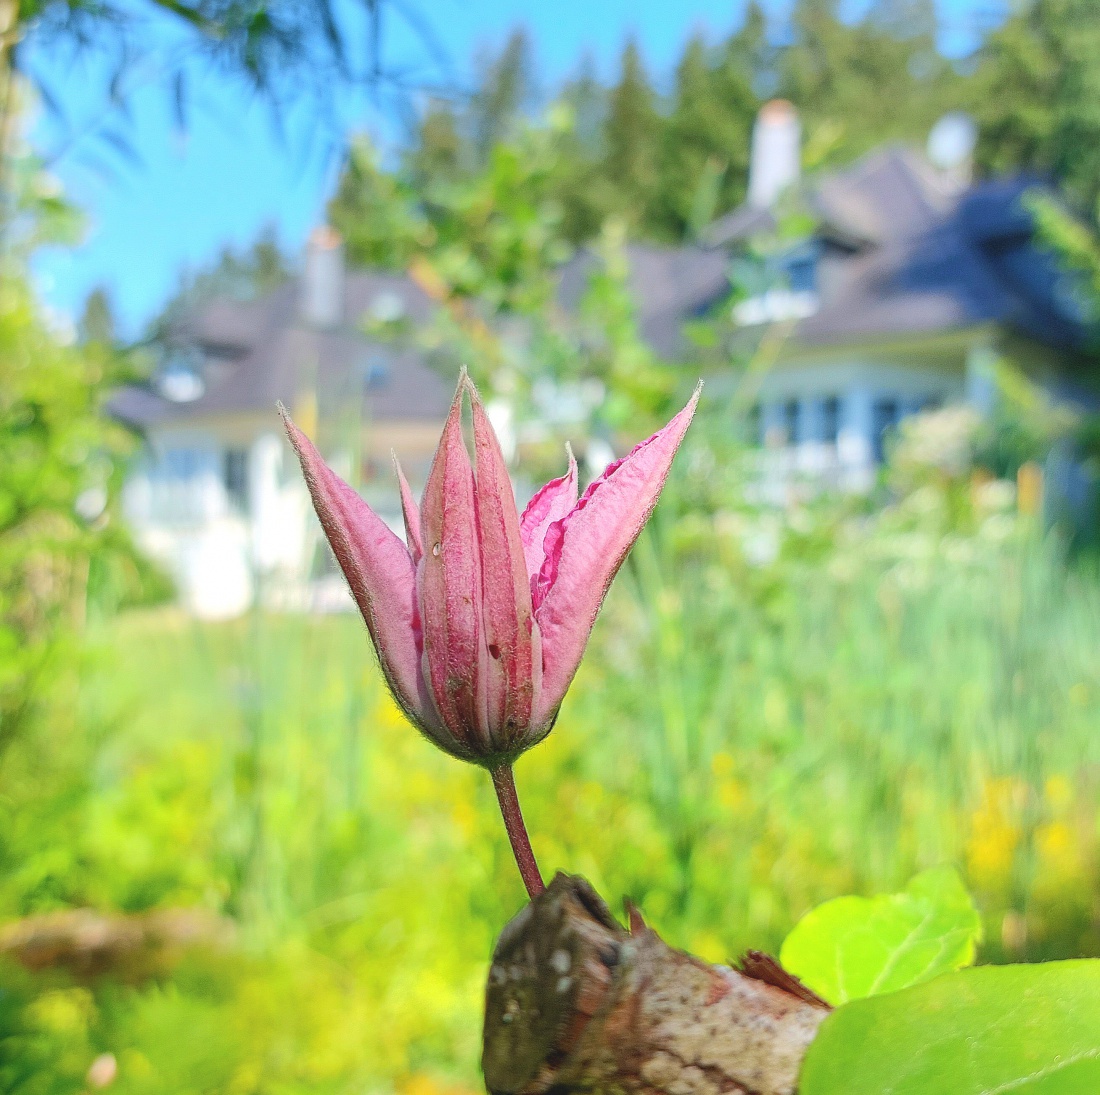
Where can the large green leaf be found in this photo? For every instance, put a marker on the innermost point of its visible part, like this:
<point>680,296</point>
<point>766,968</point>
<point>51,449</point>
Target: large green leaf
<point>1028,1030</point>
<point>853,947</point>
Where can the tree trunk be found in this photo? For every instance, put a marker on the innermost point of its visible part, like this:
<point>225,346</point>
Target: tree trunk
<point>575,1003</point>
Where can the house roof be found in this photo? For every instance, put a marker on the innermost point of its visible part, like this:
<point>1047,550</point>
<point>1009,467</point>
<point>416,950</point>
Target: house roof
<point>903,253</point>
<point>907,253</point>
<point>669,285</point>
<point>258,352</point>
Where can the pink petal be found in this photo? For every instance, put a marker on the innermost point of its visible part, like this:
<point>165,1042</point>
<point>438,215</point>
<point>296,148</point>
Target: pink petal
<point>449,585</point>
<point>411,514</point>
<point>585,549</point>
<point>377,566</point>
<point>509,635</point>
<point>551,503</point>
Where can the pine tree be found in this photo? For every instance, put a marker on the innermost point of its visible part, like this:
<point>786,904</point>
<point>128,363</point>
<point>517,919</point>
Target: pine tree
<point>437,152</point>
<point>505,90</point>
<point>580,184</point>
<point>707,138</point>
<point>1036,95</point>
<point>632,136</point>
<point>819,53</point>
<point>97,322</point>
<point>747,54</point>
<point>586,99</point>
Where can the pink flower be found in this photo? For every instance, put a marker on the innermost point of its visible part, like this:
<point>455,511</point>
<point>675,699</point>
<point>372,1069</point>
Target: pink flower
<point>481,617</point>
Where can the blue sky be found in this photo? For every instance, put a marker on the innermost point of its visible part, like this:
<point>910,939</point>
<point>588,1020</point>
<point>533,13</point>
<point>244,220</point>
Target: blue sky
<point>232,172</point>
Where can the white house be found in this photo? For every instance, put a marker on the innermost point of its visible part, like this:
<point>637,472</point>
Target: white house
<point>216,494</point>
<point>914,282</point>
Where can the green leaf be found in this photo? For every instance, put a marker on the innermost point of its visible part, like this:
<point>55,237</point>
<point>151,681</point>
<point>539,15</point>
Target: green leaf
<point>1028,1030</point>
<point>857,946</point>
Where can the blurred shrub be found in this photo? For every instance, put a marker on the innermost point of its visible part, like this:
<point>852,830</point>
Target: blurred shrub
<point>50,439</point>
<point>1023,425</point>
<point>64,557</point>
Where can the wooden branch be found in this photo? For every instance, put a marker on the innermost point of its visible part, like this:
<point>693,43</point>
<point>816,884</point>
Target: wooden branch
<point>575,1003</point>
<point>89,944</point>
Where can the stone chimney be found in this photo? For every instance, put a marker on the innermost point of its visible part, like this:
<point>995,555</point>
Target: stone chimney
<point>322,300</point>
<point>776,153</point>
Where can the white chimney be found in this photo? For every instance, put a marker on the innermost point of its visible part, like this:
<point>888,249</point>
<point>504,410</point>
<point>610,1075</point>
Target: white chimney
<point>322,302</point>
<point>951,144</point>
<point>776,152</point>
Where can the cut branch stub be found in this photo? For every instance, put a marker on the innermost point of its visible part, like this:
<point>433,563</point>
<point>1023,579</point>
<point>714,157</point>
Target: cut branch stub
<point>576,1003</point>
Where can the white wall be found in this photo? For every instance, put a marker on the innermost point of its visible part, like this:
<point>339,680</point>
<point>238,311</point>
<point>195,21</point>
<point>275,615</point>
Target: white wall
<point>220,554</point>
<point>858,385</point>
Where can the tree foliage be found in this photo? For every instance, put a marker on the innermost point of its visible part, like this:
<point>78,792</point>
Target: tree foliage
<point>1036,94</point>
<point>58,478</point>
<point>256,39</point>
<point>857,85</point>
<point>285,51</point>
<point>241,274</point>
<point>631,137</point>
<point>666,162</point>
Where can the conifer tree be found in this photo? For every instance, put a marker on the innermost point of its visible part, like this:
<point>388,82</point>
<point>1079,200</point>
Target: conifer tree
<point>437,151</point>
<point>748,56</point>
<point>860,85</point>
<point>706,140</point>
<point>632,135</point>
<point>505,90</point>
<point>1037,95</point>
<point>97,321</point>
<point>581,185</point>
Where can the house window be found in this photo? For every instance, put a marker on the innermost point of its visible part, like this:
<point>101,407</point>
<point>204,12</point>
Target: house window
<point>376,374</point>
<point>180,464</point>
<point>830,419</point>
<point>235,478</point>
<point>886,414</point>
<point>790,420</point>
<point>802,274</point>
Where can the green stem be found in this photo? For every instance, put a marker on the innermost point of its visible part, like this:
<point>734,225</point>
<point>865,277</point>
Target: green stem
<point>504,784</point>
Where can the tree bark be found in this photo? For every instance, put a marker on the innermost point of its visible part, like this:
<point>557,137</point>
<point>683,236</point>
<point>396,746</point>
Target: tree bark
<point>575,1003</point>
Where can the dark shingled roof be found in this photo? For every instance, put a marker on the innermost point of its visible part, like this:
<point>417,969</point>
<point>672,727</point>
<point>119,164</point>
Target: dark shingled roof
<point>906,254</point>
<point>670,285</point>
<point>742,223</point>
<point>258,352</point>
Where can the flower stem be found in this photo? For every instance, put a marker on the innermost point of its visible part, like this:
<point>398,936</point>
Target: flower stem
<point>504,784</point>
